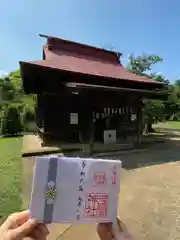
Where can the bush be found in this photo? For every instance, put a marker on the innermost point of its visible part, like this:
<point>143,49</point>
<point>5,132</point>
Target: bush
<point>12,122</point>
<point>29,116</point>
<point>175,117</point>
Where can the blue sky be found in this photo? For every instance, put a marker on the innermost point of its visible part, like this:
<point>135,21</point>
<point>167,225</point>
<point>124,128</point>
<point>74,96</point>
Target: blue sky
<point>138,26</point>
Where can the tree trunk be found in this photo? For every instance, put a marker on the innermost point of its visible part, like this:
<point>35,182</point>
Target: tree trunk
<point>149,127</point>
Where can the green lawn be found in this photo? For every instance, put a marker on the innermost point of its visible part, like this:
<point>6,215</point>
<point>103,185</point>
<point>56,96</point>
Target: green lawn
<point>10,176</point>
<point>168,124</point>
<point>174,124</point>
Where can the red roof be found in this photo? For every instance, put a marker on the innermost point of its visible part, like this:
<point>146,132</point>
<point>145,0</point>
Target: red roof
<point>74,57</point>
<point>81,49</point>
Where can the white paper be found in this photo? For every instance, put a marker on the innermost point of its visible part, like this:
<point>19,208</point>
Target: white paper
<point>74,118</point>
<point>82,190</point>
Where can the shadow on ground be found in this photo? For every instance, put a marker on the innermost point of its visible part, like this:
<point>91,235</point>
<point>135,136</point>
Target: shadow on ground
<point>162,148</point>
<point>159,154</point>
<point>149,200</point>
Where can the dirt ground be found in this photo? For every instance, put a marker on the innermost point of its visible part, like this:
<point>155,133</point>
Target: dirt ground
<point>149,200</point>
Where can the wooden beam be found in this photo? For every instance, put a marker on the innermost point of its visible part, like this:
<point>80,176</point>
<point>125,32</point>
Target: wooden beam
<point>139,122</point>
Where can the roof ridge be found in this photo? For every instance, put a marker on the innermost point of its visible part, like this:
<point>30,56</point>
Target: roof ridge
<point>118,54</point>
<point>80,55</point>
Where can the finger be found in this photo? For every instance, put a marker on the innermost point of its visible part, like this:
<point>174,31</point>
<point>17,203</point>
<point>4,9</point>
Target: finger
<point>103,232</point>
<point>119,224</point>
<point>22,217</point>
<point>43,228</point>
<point>24,229</point>
<point>110,228</point>
<point>37,234</point>
<point>123,227</point>
<point>116,230</point>
<point>16,219</point>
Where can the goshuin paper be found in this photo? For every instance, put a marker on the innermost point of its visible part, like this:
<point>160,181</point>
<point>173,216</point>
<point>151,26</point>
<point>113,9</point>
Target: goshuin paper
<point>67,189</point>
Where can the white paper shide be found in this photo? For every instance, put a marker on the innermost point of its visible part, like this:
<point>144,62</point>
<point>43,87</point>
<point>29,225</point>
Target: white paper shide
<point>75,190</point>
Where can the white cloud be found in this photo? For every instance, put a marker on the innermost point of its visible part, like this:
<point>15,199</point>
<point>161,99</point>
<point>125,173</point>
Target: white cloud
<point>3,73</point>
<point>159,73</point>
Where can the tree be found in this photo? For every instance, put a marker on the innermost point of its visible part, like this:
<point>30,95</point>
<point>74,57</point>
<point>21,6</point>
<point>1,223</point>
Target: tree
<point>173,103</point>
<point>142,65</point>
<point>12,96</point>
<point>12,123</point>
<point>7,91</point>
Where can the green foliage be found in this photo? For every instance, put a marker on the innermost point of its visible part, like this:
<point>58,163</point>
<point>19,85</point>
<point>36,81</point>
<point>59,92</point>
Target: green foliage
<point>153,109</point>
<point>15,79</point>
<point>142,64</point>
<point>175,117</point>
<point>13,97</point>
<point>12,122</point>
<point>161,79</point>
<point>173,103</point>
<point>7,91</point>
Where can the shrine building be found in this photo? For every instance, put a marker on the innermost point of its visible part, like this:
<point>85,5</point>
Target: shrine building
<point>84,94</point>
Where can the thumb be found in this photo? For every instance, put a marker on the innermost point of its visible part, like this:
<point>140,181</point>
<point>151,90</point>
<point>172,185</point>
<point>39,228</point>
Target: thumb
<point>24,229</point>
<point>103,231</point>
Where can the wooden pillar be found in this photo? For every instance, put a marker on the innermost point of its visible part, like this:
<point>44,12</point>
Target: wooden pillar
<point>39,110</point>
<point>139,122</point>
<point>86,128</point>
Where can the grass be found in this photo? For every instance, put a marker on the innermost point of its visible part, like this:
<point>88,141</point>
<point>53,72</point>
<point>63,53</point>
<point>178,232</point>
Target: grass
<point>169,124</point>
<point>10,176</point>
<point>174,124</point>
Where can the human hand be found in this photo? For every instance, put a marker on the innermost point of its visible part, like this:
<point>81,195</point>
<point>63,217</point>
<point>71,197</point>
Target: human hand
<point>19,225</point>
<point>115,231</point>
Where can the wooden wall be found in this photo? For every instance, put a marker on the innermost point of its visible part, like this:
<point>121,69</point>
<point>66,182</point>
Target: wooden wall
<point>92,107</point>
